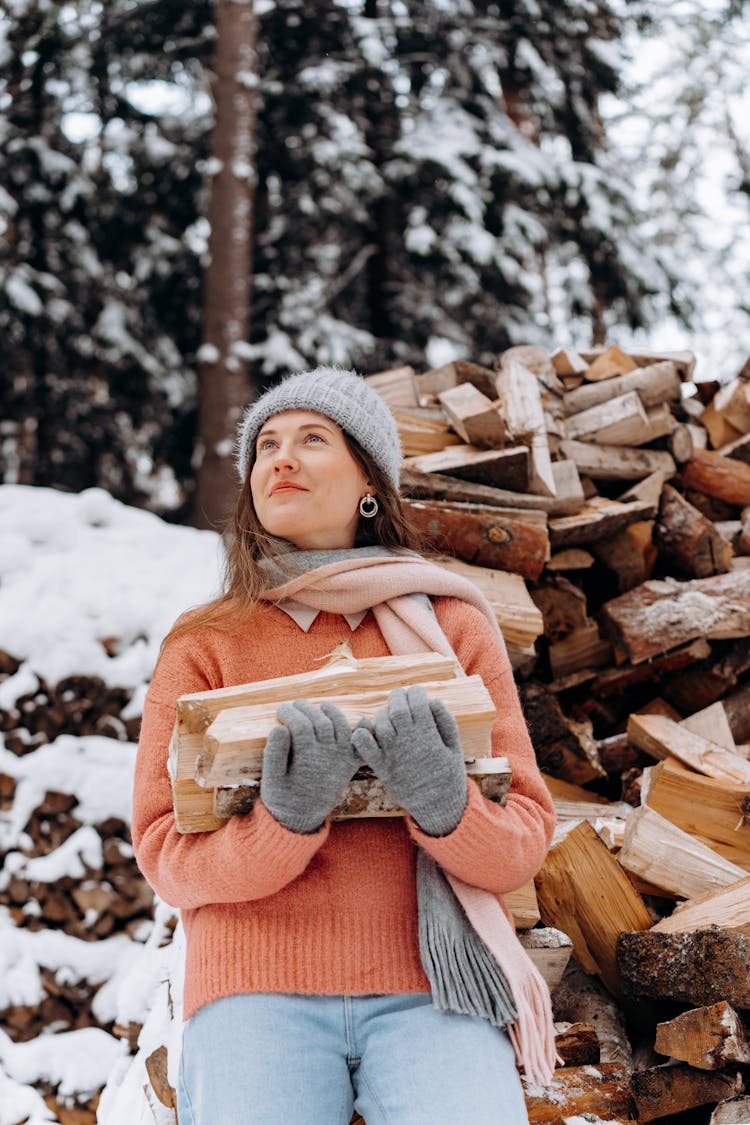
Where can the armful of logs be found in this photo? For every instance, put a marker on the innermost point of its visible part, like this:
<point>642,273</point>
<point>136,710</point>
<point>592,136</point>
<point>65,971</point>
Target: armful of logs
<point>216,752</point>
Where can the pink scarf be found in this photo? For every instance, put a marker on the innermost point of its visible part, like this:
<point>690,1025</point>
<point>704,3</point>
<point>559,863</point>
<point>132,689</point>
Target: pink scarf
<point>386,584</point>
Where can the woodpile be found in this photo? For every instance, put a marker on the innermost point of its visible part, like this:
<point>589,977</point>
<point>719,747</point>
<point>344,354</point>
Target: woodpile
<point>602,502</point>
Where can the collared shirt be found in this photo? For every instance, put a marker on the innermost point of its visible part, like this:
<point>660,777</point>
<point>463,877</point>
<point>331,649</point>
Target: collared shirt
<point>304,615</point>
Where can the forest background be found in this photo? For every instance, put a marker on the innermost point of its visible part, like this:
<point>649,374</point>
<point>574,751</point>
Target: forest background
<point>198,197</point>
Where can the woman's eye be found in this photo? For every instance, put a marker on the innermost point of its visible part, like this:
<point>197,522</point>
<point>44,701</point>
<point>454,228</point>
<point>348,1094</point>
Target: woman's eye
<point>265,443</point>
<point>315,437</point>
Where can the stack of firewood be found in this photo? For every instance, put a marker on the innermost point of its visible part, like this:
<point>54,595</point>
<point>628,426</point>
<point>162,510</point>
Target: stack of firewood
<point>620,492</point>
<point>602,502</point>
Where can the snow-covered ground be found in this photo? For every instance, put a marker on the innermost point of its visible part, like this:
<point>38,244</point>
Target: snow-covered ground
<point>77,571</point>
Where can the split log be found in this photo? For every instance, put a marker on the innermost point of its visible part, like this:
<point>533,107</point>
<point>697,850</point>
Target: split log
<point>708,809</point>
<point>523,906</point>
<point>502,468</point>
<point>396,386</point>
<point>695,968</point>
<point>562,605</point>
<point>599,519</point>
<point>603,1091</point>
<point>684,360</point>
<point>712,723</point>
<point>505,539</point>
<point>233,744</point>
<point>608,362</point>
<point>664,1090</point>
<point>438,486</point>
<point>671,859</point>
<point>732,1111</point>
<point>563,747</point>
<point>732,401</point>
<point>570,558</point>
<point>661,737</point>
<point>549,949</point>
<point>583,648</point>
<point>473,416</point>
<point>423,430</point>
<point>717,476</point>
<point>728,907</point>
<point>442,378</point>
<point>614,462</point>
<point>655,384</point>
<point>567,361</point>
<point>521,407</point>
<point>520,620</point>
<point>618,421</point>
<point>584,891</point>
<point>687,540</point>
<point>577,1044</point>
<point>660,615</point>
<point>630,554</point>
<point>711,678</point>
<point>720,431</point>
<point>582,997</point>
<point>707,1038</point>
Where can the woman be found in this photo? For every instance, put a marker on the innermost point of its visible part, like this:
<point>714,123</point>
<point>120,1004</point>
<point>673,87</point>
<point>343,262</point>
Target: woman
<point>319,955</point>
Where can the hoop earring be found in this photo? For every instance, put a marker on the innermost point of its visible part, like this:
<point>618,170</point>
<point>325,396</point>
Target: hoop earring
<point>368,506</point>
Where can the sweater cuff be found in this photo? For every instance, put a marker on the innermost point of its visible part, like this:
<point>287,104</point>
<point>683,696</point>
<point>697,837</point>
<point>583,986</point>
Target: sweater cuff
<point>461,847</point>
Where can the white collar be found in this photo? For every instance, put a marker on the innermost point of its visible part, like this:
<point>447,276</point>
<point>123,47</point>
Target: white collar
<point>304,615</point>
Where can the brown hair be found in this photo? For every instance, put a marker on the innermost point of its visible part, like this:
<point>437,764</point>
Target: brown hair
<point>248,543</point>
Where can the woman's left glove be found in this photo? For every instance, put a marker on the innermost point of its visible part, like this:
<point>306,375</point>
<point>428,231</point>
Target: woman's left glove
<point>413,746</point>
<point>306,764</point>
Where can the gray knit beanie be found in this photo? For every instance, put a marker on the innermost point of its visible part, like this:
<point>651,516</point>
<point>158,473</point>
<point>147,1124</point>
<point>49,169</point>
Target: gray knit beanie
<point>345,398</point>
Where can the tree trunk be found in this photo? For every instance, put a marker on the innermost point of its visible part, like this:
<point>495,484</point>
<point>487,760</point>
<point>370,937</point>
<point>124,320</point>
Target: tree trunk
<point>225,385</point>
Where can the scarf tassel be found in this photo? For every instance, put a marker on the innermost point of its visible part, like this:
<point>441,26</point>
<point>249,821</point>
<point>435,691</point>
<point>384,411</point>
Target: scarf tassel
<point>465,976</point>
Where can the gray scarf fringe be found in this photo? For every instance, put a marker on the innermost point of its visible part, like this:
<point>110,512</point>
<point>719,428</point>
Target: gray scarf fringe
<point>463,974</point>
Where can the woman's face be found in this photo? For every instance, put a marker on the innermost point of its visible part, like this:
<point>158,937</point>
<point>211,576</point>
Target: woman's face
<point>306,486</point>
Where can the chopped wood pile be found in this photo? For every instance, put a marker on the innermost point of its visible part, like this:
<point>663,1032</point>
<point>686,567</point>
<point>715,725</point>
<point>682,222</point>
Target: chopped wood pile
<point>602,502</point>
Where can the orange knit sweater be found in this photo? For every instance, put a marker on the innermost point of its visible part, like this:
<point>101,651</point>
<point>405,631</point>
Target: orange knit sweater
<point>268,910</point>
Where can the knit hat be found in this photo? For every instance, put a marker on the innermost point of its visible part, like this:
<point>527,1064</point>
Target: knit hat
<point>345,398</point>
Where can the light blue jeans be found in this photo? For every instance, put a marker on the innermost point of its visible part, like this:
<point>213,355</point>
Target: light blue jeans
<point>310,1060</point>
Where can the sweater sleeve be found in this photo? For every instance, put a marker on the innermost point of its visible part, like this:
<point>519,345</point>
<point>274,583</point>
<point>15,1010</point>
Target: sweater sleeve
<point>497,848</point>
<point>249,857</point>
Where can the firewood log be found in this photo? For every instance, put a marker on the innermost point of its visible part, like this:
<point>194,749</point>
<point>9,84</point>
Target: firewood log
<point>703,806</point>
<point>695,968</point>
<point>473,416</point>
<point>660,615</point>
<point>720,477</point>
<point>603,1091</point>
<point>608,362</point>
<point>661,737</point>
<point>503,538</point>
<point>687,541</point>
<point>664,1090</point>
<point>614,462</point>
<point>599,519</point>
<point>732,1111</point>
<point>707,1038</point>
<point>584,891</point>
<point>507,468</point>
<point>656,384</point>
<point>396,386</point>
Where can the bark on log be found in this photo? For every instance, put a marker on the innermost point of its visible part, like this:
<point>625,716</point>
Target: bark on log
<point>687,540</point>
<point>603,1091</point>
<point>696,968</point>
<point>720,477</point>
<point>660,615</point>
<point>614,462</point>
<point>501,538</point>
<point>667,1090</point>
<point>655,384</point>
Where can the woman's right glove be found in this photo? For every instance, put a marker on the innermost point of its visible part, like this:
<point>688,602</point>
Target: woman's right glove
<point>413,746</point>
<point>306,764</point>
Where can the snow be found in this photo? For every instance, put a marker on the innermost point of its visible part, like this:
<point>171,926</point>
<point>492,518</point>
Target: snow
<point>75,569</point>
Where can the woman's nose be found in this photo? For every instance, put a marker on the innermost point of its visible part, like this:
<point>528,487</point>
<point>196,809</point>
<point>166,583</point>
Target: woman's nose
<point>284,458</point>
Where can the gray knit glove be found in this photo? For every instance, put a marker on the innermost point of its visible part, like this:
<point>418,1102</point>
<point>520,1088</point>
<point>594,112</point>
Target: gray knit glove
<point>413,747</point>
<point>306,764</point>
